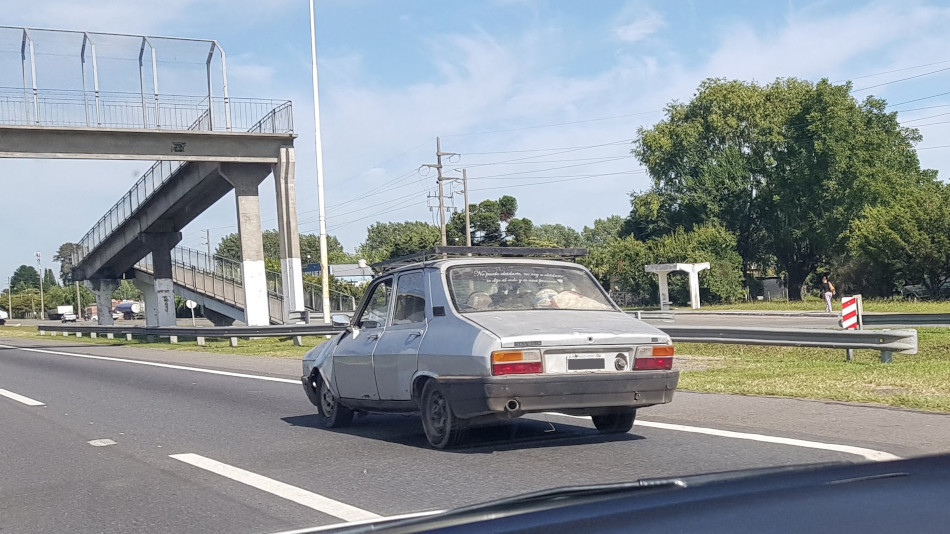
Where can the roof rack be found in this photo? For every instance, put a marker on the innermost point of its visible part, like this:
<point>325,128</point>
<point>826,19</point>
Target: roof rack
<point>441,252</point>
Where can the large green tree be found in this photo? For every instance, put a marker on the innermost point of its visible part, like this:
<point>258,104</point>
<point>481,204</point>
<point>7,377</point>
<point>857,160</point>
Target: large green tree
<point>556,235</point>
<point>486,220</point>
<point>907,242</point>
<point>65,258</point>
<point>784,167</point>
<point>25,277</point>
<point>230,247</point>
<point>385,240</point>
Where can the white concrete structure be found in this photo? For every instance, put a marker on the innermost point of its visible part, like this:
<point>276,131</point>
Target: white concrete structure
<point>664,269</point>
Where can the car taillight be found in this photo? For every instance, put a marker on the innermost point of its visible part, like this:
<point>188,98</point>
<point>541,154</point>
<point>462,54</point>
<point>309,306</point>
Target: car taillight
<point>653,357</point>
<point>516,362</point>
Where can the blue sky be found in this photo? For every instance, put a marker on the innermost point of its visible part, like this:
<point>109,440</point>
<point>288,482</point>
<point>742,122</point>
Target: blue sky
<point>540,98</point>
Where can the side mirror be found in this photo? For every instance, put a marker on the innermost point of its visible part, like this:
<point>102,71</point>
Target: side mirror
<point>339,320</point>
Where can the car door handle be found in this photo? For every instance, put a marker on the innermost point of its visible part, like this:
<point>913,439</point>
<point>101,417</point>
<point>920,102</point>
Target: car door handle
<point>415,333</point>
<point>371,337</point>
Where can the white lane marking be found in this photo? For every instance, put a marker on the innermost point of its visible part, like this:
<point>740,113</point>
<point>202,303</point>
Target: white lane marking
<point>869,454</point>
<point>156,364</point>
<point>20,398</point>
<point>351,524</point>
<point>104,442</point>
<point>300,496</point>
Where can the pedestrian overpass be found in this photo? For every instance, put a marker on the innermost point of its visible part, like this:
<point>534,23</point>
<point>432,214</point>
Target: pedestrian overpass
<point>204,147</point>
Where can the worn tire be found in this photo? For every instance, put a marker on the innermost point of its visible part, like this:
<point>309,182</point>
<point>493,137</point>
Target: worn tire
<point>618,421</point>
<point>443,429</point>
<point>332,414</point>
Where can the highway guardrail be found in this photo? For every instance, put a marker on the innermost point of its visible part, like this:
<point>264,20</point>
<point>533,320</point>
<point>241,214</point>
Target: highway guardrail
<point>886,341</point>
<point>232,333</point>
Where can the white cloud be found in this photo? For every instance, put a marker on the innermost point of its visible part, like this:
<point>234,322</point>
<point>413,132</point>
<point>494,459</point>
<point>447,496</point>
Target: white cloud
<point>640,28</point>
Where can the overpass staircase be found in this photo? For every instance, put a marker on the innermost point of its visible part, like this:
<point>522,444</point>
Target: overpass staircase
<point>215,283</point>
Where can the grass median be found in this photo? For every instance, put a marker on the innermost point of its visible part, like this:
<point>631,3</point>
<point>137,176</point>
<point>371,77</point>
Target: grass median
<point>918,381</point>
<point>811,303</point>
<point>277,347</point>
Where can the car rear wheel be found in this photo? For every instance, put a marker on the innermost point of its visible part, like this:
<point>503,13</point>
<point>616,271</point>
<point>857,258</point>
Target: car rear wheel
<point>332,413</point>
<point>619,421</point>
<point>443,429</point>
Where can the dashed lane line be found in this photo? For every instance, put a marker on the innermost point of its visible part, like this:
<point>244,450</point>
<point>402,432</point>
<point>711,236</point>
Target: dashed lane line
<point>20,398</point>
<point>300,496</point>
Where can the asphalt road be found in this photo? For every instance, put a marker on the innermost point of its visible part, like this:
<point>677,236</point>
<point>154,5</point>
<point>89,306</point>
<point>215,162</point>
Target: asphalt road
<point>237,449</point>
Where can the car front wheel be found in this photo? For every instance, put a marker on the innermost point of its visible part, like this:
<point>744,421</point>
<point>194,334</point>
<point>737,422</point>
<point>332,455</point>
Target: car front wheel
<point>619,421</point>
<point>443,429</point>
<point>332,413</point>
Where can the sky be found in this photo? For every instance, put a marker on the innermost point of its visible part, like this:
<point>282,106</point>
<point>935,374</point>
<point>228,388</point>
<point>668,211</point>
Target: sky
<point>540,99</point>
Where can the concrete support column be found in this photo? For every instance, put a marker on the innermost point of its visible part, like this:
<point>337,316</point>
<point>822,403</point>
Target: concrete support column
<point>694,289</point>
<point>246,180</point>
<point>664,290</point>
<point>103,290</point>
<point>151,300</point>
<point>160,309</point>
<point>289,235</point>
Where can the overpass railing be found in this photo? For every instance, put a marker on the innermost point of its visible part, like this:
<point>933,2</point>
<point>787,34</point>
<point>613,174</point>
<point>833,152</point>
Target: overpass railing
<point>277,120</point>
<point>100,109</point>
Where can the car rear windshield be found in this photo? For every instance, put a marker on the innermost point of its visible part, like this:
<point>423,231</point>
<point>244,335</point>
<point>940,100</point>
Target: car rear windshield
<point>513,286</point>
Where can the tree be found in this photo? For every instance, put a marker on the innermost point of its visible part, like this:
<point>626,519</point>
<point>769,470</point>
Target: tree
<point>784,168</point>
<point>65,258</point>
<point>556,235</point>
<point>712,243</point>
<point>485,218</point>
<point>49,279</point>
<point>906,243</point>
<point>230,247</point>
<point>25,277</point>
<point>393,239</point>
<point>519,232</point>
<point>127,291</point>
<point>602,232</point>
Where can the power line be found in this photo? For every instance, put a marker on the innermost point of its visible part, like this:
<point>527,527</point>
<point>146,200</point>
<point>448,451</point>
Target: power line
<point>557,124</point>
<point>567,149</point>
<point>919,99</point>
<point>893,71</point>
<point>547,182</point>
<point>901,79</point>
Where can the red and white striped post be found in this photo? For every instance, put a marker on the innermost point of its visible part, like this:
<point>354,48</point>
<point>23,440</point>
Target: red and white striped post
<point>851,317</point>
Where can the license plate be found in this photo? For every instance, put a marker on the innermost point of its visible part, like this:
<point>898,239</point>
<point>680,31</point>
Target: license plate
<point>585,364</point>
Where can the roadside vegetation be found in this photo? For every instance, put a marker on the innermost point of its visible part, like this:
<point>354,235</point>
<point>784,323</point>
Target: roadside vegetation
<point>273,347</point>
<point>879,305</point>
<point>918,381</point>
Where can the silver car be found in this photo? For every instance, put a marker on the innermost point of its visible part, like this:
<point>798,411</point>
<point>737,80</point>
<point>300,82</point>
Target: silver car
<point>467,341</point>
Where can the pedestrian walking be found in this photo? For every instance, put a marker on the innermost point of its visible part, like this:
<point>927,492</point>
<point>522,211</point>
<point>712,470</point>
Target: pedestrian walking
<point>828,291</point>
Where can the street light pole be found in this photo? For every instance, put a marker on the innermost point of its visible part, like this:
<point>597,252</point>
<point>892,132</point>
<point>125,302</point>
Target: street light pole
<point>39,263</point>
<point>321,204</point>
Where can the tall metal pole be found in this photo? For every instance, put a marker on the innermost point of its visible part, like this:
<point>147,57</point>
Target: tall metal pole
<point>10,296</point>
<point>321,204</point>
<point>78,301</point>
<point>208,239</point>
<point>468,227</point>
<point>438,166</point>
<point>39,263</point>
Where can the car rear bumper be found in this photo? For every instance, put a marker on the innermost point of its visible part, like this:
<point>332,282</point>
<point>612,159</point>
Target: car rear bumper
<point>576,393</point>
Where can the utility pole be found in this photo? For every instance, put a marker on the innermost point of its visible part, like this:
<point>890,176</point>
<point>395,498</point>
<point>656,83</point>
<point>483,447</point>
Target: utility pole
<point>468,227</point>
<point>78,301</point>
<point>208,239</point>
<point>10,296</point>
<point>39,263</point>
<point>438,168</point>
<point>321,200</point>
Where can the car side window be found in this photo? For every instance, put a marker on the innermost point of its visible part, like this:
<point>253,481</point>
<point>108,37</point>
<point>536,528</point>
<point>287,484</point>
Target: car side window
<point>377,307</point>
<point>410,304</point>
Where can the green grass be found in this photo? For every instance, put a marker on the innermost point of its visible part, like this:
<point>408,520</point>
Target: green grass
<point>920,381</point>
<point>275,347</point>
<point>893,305</point>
